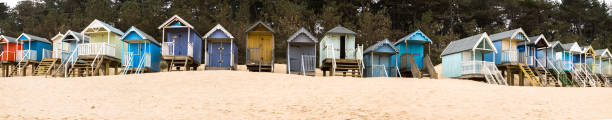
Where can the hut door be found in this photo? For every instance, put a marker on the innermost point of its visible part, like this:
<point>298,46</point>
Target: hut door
<point>342,47</point>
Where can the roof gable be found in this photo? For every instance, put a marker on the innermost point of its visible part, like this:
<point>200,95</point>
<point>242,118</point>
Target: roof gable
<point>218,27</point>
<point>57,37</point>
<point>603,52</point>
<point>26,37</point>
<point>515,34</point>
<point>416,36</point>
<point>380,46</point>
<point>141,34</point>
<point>260,23</point>
<point>99,24</point>
<point>340,30</point>
<point>75,35</point>
<point>469,43</point>
<point>588,50</point>
<point>571,47</point>
<point>302,31</point>
<point>8,39</point>
<point>175,21</point>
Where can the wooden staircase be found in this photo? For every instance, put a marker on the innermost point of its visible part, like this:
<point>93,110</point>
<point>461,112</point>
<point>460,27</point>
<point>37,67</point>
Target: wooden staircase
<point>605,80</point>
<point>563,79</point>
<point>178,62</point>
<point>46,66</point>
<point>342,67</point>
<point>529,75</point>
<point>546,78</point>
<point>20,66</point>
<point>429,67</point>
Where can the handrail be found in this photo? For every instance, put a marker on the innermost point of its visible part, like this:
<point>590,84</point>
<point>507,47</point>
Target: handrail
<point>141,63</point>
<point>398,71</point>
<point>22,58</point>
<point>333,53</point>
<point>65,62</point>
<point>128,63</point>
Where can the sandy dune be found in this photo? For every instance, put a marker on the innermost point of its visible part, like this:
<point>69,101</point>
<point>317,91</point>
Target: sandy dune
<point>245,95</point>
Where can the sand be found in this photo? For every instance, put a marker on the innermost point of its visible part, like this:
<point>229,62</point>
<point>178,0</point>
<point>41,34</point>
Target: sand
<point>248,95</point>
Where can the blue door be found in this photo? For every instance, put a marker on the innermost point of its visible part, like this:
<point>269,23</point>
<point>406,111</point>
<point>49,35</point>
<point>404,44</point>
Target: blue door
<point>219,54</point>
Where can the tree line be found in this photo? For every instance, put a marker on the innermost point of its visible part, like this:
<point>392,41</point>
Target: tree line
<point>443,21</point>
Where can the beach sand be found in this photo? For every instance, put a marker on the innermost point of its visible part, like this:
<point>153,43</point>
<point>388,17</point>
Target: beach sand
<point>250,95</point>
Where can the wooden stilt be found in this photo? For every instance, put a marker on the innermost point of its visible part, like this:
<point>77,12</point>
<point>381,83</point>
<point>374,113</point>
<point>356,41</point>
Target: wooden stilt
<point>521,79</point>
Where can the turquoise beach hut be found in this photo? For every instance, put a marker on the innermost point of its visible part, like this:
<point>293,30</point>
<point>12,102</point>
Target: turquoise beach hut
<point>414,47</point>
<point>144,52</point>
<point>464,58</point>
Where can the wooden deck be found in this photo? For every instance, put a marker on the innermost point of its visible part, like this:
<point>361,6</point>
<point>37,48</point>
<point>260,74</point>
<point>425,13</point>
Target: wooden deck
<point>253,67</point>
<point>178,62</point>
<point>343,66</point>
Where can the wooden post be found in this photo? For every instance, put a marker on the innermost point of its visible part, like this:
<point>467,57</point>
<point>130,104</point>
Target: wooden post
<point>521,79</point>
<point>509,76</point>
<point>116,70</point>
<point>106,67</point>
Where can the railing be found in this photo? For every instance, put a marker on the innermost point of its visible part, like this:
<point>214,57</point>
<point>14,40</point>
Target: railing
<point>71,59</point>
<point>189,49</point>
<point>57,53</point>
<point>6,54</point>
<point>596,68</point>
<point>142,63</point>
<point>525,58</point>
<point>491,69</point>
<point>26,55</point>
<point>379,70</point>
<point>128,59</point>
<point>509,56</point>
<point>330,48</point>
<point>168,48</point>
<point>46,53</point>
<point>253,56</point>
<point>96,49</point>
<point>472,67</point>
<point>308,64</point>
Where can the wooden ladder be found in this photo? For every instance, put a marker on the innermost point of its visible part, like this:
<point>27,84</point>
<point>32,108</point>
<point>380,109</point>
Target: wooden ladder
<point>429,67</point>
<point>19,66</point>
<point>529,75</point>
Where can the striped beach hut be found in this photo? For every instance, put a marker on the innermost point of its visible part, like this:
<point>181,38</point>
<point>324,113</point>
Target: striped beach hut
<point>378,61</point>
<point>260,48</point>
<point>143,52</point>
<point>301,53</point>
<point>220,49</point>
<point>181,44</point>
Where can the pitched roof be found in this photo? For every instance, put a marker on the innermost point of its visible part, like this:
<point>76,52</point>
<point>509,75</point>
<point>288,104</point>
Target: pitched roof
<point>572,47</point>
<point>36,38</point>
<point>507,34</point>
<point>409,37</point>
<point>305,32</point>
<point>603,52</point>
<point>218,27</point>
<point>340,30</point>
<point>97,23</point>
<point>467,43</point>
<point>535,40</point>
<point>172,19</point>
<point>59,35</point>
<point>381,43</point>
<point>262,24</point>
<point>142,34</point>
<point>77,36</point>
<point>9,39</point>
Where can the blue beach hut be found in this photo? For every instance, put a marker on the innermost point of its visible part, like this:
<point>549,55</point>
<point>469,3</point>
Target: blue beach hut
<point>220,49</point>
<point>34,47</point>
<point>181,44</point>
<point>73,40</point>
<point>144,52</point>
<point>464,58</point>
<point>378,61</point>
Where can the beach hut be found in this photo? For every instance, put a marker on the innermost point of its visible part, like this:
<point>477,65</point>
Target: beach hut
<point>508,58</point>
<point>104,50</point>
<point>465,58</point>
<point>220,49</point>
<point>8,60</point>
<point>260,47</point>
<point>10,47</point>
<point>603,62</point>
<point>35,49</point>
<point>414,47</point>
<point>377,60</point>
<point>72,40</point>
<point>182,44</point>
<point>533,52</point>
<point>143,52</point>
<point>301,53</point>
<point>569,56</point>
<point>58,46</point>
<point>555,62</point>
<point>339,53</point>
